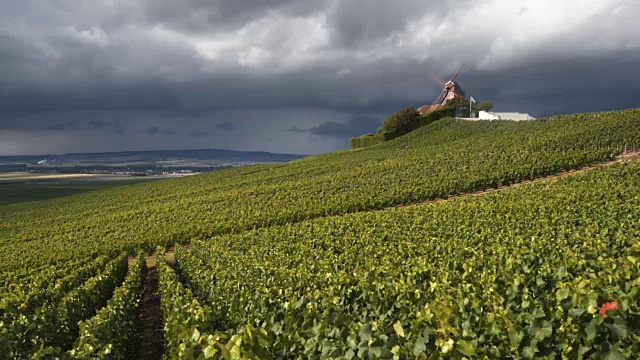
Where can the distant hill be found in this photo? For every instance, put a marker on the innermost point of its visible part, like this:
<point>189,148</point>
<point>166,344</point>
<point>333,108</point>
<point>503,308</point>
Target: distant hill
<point>160,155</point>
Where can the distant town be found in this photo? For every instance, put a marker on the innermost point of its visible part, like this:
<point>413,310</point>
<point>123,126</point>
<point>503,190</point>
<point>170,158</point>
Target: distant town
<point>139,163</point>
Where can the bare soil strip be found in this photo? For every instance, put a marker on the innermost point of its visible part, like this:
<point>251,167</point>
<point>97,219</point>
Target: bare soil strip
<point>151,334</point>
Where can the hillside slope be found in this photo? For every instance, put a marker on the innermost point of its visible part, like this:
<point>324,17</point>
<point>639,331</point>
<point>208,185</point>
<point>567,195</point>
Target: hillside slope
<point>509,274</point>
<point>444,158</point>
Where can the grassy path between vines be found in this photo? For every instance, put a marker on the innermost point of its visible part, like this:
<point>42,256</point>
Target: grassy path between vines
<point>151,333</point>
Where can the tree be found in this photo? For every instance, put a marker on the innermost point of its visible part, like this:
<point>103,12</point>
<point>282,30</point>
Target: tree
<point>483,106</point>
<point>400,123</point>
<point>460,106</point>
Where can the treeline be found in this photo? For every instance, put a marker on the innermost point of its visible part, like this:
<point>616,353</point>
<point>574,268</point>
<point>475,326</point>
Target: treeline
<point>13,168</point>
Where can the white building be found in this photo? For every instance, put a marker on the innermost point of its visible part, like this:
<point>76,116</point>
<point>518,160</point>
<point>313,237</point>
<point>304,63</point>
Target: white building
<point>488,115</point>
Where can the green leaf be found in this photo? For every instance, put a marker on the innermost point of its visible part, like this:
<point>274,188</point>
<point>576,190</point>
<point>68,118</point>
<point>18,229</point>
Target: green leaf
<point>365,332</point>
<point>562,272</point>
<point>562,294</point>
<point>209,351</point>
<point>614,354</point>
<point>398,328</point>
<point>465,347</point>
<point>544,332</point>
<point>591,330</point>
<point>349,354</point>
<point>576,313</point>
<point>582,350</point>
<point>420,346</point>
<point>619,328</point>
<point>528,353</point>
<point>196,335</point>
<point>515,337</point>
<point>377,351</point>
<point>541,329</point>
<point>395,350</point>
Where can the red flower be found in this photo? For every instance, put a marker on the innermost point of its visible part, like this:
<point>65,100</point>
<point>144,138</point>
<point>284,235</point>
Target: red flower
<point>608,306</point>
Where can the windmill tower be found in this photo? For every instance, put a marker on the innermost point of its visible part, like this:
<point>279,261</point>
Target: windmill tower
<point>450,90</point>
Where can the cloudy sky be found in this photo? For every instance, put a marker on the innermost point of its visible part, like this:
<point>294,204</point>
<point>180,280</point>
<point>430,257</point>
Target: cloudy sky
<point>296,76</point>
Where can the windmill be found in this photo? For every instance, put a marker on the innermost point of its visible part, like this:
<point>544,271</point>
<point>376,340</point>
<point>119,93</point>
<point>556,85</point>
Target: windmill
<point>450,90</point>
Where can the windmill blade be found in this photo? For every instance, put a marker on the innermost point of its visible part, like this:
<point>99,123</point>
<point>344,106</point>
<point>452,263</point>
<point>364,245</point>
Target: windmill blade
<point>440,97</point>
<point>457,73</point>
<point>443,94</point>
<point>437,79</point>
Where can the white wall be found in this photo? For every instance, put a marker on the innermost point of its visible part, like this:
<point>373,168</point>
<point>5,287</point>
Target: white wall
<point>487,115</point>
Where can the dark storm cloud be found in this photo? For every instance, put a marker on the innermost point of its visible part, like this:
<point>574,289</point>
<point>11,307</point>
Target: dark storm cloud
<point>196,16</point>
<point>99,124</point>
<point>56,127</point>
<point>127,67</point>
<point>152,130</point>
<point>119,127</point>
<point>116,125</point>
<point>357,126</point>
<point>225,125</point>
<point>362,22</point>
<point>168,132</point>
<point>196,133</point>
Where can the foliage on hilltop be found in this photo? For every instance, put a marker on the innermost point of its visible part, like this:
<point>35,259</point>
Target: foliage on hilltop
<point>483,106</point>
<point>408,120</point>
<point>400,123</point>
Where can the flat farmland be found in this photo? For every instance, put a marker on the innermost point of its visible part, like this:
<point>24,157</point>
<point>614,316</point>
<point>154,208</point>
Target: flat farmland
<point>34,187</point>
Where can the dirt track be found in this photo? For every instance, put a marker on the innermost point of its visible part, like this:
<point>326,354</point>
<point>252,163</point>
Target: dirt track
<point>151,333</point>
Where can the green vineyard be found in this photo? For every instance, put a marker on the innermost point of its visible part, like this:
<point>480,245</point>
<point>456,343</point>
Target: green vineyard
<point>519,272</point>
<point>343,256</point>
